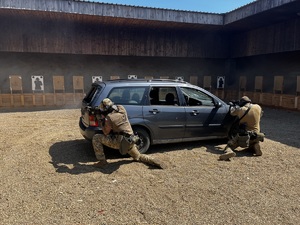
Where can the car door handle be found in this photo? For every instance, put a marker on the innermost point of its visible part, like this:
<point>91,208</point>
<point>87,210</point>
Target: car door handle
<point>154,111</point>
<point>195,112</point>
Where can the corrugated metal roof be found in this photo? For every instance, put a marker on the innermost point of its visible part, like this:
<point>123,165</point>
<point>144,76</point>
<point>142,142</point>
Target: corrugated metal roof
<point>140,6</point>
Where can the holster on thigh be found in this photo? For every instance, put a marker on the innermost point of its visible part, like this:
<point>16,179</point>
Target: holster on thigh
<point>125,145</point>
<point>244,140</point>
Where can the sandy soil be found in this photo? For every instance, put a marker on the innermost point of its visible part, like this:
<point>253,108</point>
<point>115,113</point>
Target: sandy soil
<point>47,177</point>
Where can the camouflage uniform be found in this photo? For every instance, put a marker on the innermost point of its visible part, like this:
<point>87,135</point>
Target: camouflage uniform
<point>251,122</point>
<point>118,123</point>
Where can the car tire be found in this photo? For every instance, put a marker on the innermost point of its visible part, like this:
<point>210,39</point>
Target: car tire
<point>144,144</point>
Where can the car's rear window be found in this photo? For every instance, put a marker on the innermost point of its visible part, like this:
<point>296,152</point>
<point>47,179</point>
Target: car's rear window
<point>90,95</point>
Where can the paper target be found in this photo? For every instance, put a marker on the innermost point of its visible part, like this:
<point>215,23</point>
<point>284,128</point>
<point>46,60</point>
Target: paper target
<point>37,83</point>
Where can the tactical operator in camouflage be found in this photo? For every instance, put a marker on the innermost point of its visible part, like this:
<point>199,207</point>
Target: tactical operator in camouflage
<point>247,134</point>
<point>118,134</point>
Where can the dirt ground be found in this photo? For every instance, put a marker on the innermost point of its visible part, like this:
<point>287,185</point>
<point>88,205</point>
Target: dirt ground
<point>47,177</point>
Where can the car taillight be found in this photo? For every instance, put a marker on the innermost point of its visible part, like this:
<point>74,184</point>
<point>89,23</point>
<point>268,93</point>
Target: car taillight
<point>93,121</point>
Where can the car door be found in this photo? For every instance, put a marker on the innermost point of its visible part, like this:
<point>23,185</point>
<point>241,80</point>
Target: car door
<point>165,119</point>
<point>203,116</point>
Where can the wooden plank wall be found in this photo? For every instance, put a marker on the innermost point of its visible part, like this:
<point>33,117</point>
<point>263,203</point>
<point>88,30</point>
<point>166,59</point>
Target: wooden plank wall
<point>41,99</point>
<point>273,39</point>
<point>276,99</point>
<point>59,97</point>
<point>30,34</point>
<point>28,100</point>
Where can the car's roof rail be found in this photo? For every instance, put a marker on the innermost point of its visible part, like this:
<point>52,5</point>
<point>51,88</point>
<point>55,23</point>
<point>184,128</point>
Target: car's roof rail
<point>148,80</point>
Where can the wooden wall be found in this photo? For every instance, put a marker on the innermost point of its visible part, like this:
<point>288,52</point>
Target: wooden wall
<point>61,98</point>
<point>31,34</point>
<point>29,100</point>
<point>55,28</point>
<point>282,37</point>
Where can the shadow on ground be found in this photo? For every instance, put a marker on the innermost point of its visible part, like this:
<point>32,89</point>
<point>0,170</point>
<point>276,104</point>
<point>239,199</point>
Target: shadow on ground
<point>217,147</point>
<point>212,146</point>
<point>77,156</point>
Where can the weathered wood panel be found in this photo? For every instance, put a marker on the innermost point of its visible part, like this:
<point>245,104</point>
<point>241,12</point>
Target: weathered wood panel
<point>5,100</point>
<point>288,101</point>
<point>71,99</point>
<point>51,36</point>
<point>252,9</point>
<point>272,99</point>
<point>280,37</point>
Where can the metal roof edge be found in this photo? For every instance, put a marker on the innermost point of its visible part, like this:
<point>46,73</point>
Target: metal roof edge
<point>253,8</point>
<point>114,10</point>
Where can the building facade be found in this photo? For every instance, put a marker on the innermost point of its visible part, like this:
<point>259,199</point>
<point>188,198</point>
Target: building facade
<point>52,50</point>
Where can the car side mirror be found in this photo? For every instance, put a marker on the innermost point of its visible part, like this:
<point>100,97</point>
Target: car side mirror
<point>218,104</point>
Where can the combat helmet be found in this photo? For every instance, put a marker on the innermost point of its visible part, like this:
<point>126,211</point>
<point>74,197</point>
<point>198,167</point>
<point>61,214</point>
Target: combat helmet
<point>244,100</point>
<point>107,105</point>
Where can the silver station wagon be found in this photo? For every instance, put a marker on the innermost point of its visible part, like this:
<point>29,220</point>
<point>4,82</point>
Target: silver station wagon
<point>160,111</point>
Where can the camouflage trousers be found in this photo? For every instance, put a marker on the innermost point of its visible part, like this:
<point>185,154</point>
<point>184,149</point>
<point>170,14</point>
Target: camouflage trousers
<point>114,142</point>
<point>233,143</point>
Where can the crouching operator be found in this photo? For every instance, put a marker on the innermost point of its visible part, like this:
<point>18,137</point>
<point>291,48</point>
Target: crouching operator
<point>247,128</point>
<point>118,134</point>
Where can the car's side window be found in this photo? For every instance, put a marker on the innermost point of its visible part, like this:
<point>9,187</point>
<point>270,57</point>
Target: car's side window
<point>163,96</point>
<point>194,97</point>
<point>127,95</point>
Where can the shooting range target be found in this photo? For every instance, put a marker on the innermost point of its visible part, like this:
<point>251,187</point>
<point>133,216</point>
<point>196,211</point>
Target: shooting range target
<point>37,83</point>
<point>220,82</point>
<point>132,76</point>
<point>96,78</point>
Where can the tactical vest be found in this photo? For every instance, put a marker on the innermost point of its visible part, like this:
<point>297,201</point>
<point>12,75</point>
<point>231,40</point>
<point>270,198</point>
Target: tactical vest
<point>251,119</point>
<point>120,122</point>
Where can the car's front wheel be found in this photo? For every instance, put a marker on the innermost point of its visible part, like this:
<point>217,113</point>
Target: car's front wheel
<point>144,143</point>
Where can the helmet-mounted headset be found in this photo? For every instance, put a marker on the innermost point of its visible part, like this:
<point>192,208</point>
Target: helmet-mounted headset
<point>106,104</point>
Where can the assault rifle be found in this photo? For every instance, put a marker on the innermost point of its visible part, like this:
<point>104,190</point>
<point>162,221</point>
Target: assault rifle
<point>234,103</point>
<point>97,112</point>
<point>94,110</point>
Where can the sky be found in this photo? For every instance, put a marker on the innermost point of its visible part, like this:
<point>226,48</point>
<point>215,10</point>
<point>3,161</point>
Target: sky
<point>209,6</point>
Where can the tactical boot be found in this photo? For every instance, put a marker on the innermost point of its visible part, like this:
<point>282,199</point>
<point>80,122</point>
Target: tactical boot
<point>137,156</point>
<point>134,153</point>
<point>228,153</point>
<point>100,164</point>
<point>257,150</point>
<point>100,156</point>
<point>151,161</point>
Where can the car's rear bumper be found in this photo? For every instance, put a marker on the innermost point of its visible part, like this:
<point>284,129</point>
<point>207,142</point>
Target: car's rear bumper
<point>87,132</point>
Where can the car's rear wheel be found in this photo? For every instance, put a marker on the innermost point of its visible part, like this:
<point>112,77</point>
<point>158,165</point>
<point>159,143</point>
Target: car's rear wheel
<point>144,142</point>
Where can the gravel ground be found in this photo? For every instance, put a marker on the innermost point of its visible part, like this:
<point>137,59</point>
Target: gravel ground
<point>47,177</point>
